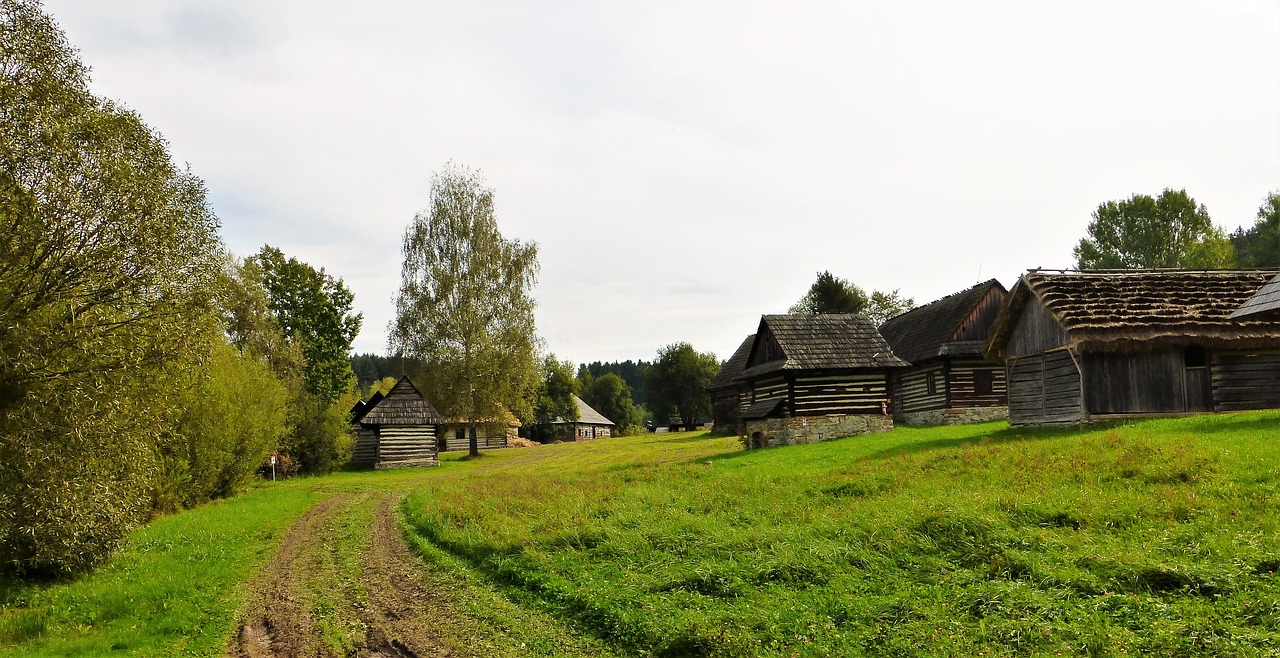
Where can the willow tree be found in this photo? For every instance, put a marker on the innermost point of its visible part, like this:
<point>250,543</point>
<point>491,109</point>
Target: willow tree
<point>465,306</point>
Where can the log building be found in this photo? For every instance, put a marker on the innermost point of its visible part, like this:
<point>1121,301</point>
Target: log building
<point>399,429</point>
<point>590,424</point>
<point>731,396</point>
<point>949,381</point>
<point>816,377</point>
<point>1081,346</point>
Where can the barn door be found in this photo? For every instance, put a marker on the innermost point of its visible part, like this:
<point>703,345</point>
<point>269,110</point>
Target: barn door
<point>1199,388</point>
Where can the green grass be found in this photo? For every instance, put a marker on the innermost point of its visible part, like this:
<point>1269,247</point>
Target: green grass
<point>174,590</point>
<point>1153,537</point>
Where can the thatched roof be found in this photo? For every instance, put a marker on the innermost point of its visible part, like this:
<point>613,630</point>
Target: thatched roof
<point>1118,309</point>
<point>403,405</point>
<point>1265,301</point>
<point>841,341</point>
<point>586,415</point>
<point>733,367</point>
<point>936,329</point>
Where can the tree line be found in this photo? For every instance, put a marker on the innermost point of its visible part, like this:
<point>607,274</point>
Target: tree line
<point>143,368</point>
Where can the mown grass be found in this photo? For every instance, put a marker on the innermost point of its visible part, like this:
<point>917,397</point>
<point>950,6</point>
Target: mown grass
<point>1155,537</point>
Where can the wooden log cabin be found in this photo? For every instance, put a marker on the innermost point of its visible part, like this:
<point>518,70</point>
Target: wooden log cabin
<point>1080,346</point>
<point>591,424</point>
<point>731,396</point>
<point>402,426</point>
<point>949,381</point>
<point>816,377</point>
<point>490,433</point>
<point>365,451</point>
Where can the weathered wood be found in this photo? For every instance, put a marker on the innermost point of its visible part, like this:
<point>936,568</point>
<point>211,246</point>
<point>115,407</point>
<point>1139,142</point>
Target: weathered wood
<point>1036,331</point>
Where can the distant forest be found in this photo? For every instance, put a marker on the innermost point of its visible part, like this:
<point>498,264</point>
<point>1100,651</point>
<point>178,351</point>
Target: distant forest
<point>370,368</point>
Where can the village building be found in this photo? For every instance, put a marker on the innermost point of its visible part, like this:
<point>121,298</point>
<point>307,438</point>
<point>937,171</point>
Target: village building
<point>949,381</point>
<point>731,396</point>
<point>490,433</point>
<point>398,429</point>
<point>365,450</point>
<point>1080,346</point>
<point>816,377</point>
<point>590,424</point>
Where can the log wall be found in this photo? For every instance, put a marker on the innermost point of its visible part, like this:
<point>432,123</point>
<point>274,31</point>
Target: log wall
<point>912,389</point>
<point>406,445</point>
<point>839,394</point>
<point>365,450</point>
<point>962,390</point>
<point>1246,380</point>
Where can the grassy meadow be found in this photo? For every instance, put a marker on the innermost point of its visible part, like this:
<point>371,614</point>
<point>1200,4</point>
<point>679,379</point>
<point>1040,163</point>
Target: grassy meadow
<point>1152,537</point>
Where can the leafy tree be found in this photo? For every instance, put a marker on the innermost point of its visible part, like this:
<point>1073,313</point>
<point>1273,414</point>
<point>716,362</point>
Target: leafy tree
<point>107,254</point>
<point>1142,232</point>
<point>554,398</point>
<point>1259,246</point>
<point>885,305</point>
<point>631,372</point>
<point>314,311</point>
<point>677,383</point>
<point>831,294</point>
<point>465,306</point>
<point>382,386</point>
<point>610,395</point>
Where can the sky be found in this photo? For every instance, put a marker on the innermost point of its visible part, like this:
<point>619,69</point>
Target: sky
<point>685,167</point>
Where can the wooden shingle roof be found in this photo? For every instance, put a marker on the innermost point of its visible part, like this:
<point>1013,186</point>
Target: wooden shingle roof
<point>928,332</point>
<point>1114,308</point>
<point>733,367</point>
<point>403,405</point>
<point>820,342</point>
<point>1266,300</point>
<point>586,415</point>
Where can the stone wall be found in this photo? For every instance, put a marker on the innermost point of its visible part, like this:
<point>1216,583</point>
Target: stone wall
<point>812,429</point>
<point>958,416</point>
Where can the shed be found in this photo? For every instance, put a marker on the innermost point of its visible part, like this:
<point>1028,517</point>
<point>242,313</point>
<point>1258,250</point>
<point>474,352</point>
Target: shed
<point>731,396</point>
<point>1088,345</point>
<point>949,380</point>
<point>403,428</point>
<point>590,424</point>
<point>365,451</point>
<point>490,433</point>
<point>816,377</point>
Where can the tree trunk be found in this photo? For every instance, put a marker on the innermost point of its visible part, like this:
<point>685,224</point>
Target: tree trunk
<point>475,445</point>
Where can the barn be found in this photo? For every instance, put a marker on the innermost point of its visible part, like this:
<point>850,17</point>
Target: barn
<point>949,381</point>
<point>1090,345</point>
<point>590,424</point>
<point>731,396</point>
<point>816,377</point>
<point>401,429</point>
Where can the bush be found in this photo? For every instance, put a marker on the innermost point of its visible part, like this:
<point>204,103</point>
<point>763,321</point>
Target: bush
<point>321,438</point>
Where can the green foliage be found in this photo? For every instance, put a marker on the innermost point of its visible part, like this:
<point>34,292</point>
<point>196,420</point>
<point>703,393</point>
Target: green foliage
<point>234,415</point>
<point>382,386</point>
<point>320,438</point>
<point>1142,232</point>
<point>631,372</point>
<point>677,383</point>
<point>1259,246</point>
<point>107,254</point>
<point>553,399</point>
<point>314,311</point>
<point>831,294</point>
<point>465,305</point>
<point>611,396</point>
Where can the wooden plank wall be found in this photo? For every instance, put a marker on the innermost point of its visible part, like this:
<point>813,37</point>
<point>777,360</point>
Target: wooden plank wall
<point>1151,381</point>
<point>962,390</point>
<point>406,442</point>
<point>840,394</point>
<point>1037,331</point>
<point>365,451</point>
<point>912,389</point>
<point>1243,380</point>
<point>1044,389</point>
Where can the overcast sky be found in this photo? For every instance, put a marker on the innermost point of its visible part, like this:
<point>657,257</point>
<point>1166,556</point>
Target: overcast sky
<point>686,167</point>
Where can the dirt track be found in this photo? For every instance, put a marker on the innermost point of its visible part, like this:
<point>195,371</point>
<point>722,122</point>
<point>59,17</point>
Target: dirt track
<point>388,612</point>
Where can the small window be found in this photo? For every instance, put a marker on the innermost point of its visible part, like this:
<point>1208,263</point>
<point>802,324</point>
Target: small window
<point>931,383</point>
<point>461,434</point>
<point>982,382</point>
<point>1195,357</point>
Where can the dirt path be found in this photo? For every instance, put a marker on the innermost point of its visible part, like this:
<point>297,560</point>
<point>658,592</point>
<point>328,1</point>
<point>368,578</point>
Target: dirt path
<point>386,608</point>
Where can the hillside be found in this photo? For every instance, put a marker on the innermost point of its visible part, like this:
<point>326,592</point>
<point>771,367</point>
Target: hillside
<point>1155,537</point>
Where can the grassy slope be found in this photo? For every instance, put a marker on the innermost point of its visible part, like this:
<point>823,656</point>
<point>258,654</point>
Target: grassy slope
<point>1156,537</point>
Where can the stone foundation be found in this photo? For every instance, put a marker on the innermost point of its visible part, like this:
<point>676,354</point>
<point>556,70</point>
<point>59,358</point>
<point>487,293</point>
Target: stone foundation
<point>958,416</point>
<point>811,429</point>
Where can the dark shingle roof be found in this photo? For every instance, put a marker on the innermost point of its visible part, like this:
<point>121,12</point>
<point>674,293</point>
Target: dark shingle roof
<point>1110,307</point>
<point>921,333</point>
<point>404,405</point>
<point>1266,300</point>
<point>733,367</point>
<point>823,342</point>
<point>586,415</point>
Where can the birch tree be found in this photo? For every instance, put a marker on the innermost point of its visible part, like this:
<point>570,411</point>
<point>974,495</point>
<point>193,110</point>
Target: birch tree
<point>465,305</point>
